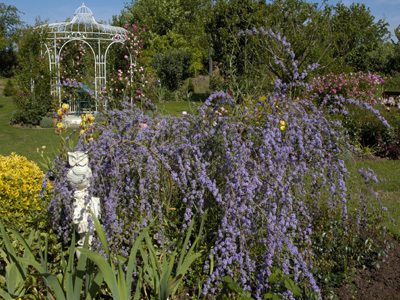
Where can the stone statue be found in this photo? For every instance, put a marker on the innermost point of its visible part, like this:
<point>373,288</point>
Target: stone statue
<point>79,173</point>
<point>78,177</point>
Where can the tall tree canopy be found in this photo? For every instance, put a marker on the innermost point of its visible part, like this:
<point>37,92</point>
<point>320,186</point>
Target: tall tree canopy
<point>356,33</point>
<point>10,22</point>
<point>338,37</point>
<point>171,25</point>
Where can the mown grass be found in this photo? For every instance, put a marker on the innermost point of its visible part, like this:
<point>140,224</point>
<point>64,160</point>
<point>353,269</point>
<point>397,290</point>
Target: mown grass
<point>23,140</point>
<point>388,187</point>
<point>175,108</point>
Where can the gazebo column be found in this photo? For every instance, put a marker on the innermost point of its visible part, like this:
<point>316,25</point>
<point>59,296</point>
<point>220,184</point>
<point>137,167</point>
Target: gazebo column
<point>54,78</point>
<point>51,53</point>
<point>57,77</point>
<point>100,74</point>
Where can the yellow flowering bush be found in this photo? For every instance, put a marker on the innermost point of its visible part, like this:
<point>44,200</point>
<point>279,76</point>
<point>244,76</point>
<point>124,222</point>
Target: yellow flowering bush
<point>255,106</point>
<point>86,126</point>
<point>20,183</point>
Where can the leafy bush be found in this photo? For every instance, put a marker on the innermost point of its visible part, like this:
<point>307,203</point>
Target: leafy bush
<point>47,122</point>
<point>389,140</point>
<point>368,131</point>
<point>216,83</point>
<point>173,67</point>
<point>360,86</point>
<point>15,117</point>
<point>9,89</point>
<point>339,250</point>
<point>32,108</point>
<point>392,81</point>
<point>20,183</point>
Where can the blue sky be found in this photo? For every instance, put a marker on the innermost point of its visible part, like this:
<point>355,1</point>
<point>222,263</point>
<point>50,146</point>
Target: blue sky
<point>57,10</point>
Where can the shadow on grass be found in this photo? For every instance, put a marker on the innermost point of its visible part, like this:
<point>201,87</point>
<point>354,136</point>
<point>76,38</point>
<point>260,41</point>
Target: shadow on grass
<point>199,97</point>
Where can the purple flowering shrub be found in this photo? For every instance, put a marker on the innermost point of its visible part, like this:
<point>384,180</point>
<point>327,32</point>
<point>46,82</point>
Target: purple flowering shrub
<point>260,183</point>
<point>263,184</point>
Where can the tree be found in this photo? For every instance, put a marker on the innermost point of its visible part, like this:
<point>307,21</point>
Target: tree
<point>227,19</point>
<point>33,73</point>
<point>390,54</point>
<point>168,24</point>
<point>33,100</point>
<point>305,25</point>
<point>172,67</point>
<point>338,37</point>
<point>381,59</point>
<point>355,33</point>
<point>10,22</point>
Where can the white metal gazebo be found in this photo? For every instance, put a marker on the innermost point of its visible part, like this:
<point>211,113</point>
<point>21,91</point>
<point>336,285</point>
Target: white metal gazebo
<point>85,29</point>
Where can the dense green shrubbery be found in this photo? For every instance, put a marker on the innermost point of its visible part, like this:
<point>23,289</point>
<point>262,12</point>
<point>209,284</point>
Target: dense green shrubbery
<point>47,122</point>
<point>9,89</point>
<point>31,108</point>
<point>173,67</point>
<point>339,251</point>
<point>15,117</point>
<point>33,99</point>
<point>367,131</point>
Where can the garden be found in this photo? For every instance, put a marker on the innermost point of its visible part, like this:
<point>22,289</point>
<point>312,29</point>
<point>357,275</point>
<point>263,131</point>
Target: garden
<point>276,176</point>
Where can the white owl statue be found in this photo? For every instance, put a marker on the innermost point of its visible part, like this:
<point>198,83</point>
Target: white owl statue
<point>79,173</point>
<point>78,177</point>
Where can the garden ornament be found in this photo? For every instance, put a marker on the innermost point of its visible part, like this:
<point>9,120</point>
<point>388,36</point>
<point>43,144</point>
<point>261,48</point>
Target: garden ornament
<point>78,178</point>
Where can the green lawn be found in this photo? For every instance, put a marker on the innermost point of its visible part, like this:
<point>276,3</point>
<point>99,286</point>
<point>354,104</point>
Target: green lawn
<point>388,187</point>
<point>23,140</point>
<point>175,108</point>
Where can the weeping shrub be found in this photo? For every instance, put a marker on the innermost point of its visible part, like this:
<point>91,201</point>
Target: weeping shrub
<point>262,173</point>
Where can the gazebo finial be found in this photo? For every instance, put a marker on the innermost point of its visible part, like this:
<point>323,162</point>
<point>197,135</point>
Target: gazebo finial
<point>83,15</point>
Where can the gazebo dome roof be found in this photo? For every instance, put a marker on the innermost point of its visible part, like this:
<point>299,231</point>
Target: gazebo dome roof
<point>84,25</point>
